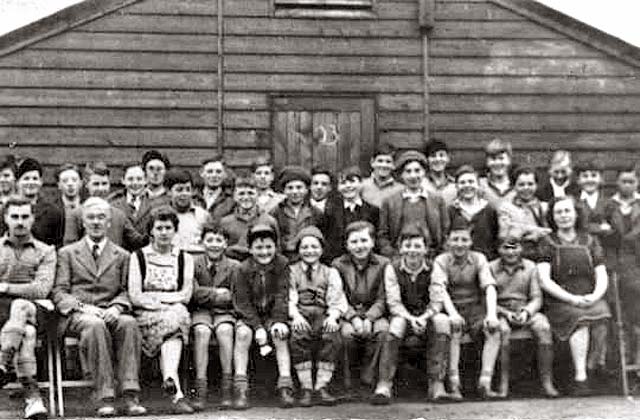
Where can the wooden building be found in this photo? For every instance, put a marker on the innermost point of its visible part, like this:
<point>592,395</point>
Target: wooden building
<point>314,81</point>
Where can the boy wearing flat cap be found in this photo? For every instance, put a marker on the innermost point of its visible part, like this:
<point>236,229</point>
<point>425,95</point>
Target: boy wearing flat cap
<point>316,305</point>
<point>294,212</point>
<point>261,296</point>
<point>412,205</point>
<point>519,303</point>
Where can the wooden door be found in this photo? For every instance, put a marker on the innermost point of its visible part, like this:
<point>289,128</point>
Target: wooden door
<point>335,132</point>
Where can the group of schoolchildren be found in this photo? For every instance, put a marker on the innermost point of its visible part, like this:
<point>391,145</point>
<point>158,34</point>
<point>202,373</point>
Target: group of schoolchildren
<point>404,263</point>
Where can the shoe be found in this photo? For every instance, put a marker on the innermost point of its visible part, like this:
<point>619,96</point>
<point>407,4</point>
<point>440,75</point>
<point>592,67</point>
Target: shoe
<point>241,402</point>
<point>286,398</point>
<point>169,387</point>
<point>486,393</point>
<point>455,395</point>
<point>200,400</point>
<point>106,409</point>
<point>227,393</point>
<point>4,377</point>
<point>132,406</point>
<point>306,399</point>
<point>182,407</point>
<point>325,397</point>
<point>380,399</point>
<point>35,409</point>
<point>581,389</point>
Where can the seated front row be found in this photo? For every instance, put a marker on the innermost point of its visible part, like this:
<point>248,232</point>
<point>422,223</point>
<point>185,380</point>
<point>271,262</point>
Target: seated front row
<point>138,303</point>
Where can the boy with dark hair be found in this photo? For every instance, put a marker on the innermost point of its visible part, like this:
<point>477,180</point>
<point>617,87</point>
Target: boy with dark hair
<point>590,180</point>
<point>263,174</point>
<point>49,223</point>
<point>69,184</point>
<point>412,204</point>
<point>261,296</point>
<point>362,273</point>
<point>380,184</point>
<point>212,312</point>
<point>155,165</point>
<point>316,305</point>
<point>294,212</point>
<point>470,302</point>
<point>519,304</point>
<point>415,302</point>
<point>437,180</point>
<point>321,187</point>
<point>213,197</point>
<point>349,207</point>
<point>192,218</point>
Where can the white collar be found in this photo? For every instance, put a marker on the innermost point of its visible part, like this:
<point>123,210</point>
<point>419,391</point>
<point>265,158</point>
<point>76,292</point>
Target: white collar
<point>101,244</point>
<point>353,204</point>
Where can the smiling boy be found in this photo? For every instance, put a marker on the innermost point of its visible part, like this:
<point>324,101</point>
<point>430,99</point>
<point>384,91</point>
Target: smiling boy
<point>381,183</point>
<point>213,197</point>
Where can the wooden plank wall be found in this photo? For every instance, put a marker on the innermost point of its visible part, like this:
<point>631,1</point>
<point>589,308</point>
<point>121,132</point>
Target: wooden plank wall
<point>146,77</point>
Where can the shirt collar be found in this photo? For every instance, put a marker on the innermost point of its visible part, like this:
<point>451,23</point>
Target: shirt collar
<point>618,199</point>
<point>563,185</point>
<point>518,202</point>
<point>101,244</point>
<point>510,269</point>
<point>209,193</point>
<point>244,215</point>
<point>403,266</point>
<point>357,203</point>
<point>383,184</point>
<point>371,260</point>
<point>462,261</point>
<point>448,179</point>
<point>305,266</point>
<point>422,193</point>
<point>28,243</point>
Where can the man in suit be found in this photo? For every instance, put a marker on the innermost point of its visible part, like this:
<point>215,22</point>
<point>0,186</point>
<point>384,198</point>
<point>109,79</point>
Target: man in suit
<point>48,225</point>
<point>121,230</point>
<point>412,205</point>
<point>90,293</point>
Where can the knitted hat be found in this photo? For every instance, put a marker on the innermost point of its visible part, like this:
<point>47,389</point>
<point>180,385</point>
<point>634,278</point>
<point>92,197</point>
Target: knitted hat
<point>309,231</point>
<point>294,173</point>
<point>28,165</point>
<point>261,231</point>
<point>411,156</point>
<point>150,155</point>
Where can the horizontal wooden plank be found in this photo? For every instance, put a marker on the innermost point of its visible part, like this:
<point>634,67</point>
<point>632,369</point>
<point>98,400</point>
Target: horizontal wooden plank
<point>201,7</point>
<point>512,122</point>
<point>473,11</point>
<point>253,26</point>
<point>107,79</point>
<point>141,137</point>
<point>512,103</point>
<point>118,155</point>
<point>321,83</point>
<point>111,60</point>
<point>532,140</point>
<point>107,117</point>
<point>511,48</point>
<point>109,98</point>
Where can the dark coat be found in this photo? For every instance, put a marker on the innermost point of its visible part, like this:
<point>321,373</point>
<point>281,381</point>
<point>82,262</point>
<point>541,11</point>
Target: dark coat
<point>545,190</point>
<point>338,218</point>
<point>49,223</point>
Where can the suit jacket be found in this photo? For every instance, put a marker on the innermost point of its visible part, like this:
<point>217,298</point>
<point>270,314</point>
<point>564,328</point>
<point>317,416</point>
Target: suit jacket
<point>338,218</point>
<point>221,206</point>
<point>596,216</point>
<point>80,279</point>
<point>49,224</point>
<point>139,219</point>
<point>204,288</point>
<point>121,231</point>
<point>390,224</point>
<point>545,190</point>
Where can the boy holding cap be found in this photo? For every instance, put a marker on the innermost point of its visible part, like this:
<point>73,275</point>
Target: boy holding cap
<point>348,208</point>
<point>438,181</point>
<point>412,205</point>
<point>470,302</point>
<point>316,305</point>
<point>261,296</point>
<point>294,212</point>
<point>519,303</point>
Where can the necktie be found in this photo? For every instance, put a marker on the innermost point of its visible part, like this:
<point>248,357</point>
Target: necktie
<point>212,271</point>
<point>263,290</point>
<point>309,273</point>
<point>94,252</point>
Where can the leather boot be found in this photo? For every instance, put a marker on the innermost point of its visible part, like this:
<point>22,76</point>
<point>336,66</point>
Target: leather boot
<point>241,401</point>
<point>505,368</point>
<point>227,392</point>
<point>437,367</point>
<point>388,365</point>
<point>545,369</point>
<point>286,397</point>
<point>200,400</point>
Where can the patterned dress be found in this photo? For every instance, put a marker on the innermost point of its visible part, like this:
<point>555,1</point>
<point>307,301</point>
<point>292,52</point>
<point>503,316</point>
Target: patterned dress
<point>173,320</point>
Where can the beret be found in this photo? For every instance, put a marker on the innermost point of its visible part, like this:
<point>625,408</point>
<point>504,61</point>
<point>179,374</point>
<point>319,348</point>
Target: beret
<point>294,173</point>
<point>411,156</point>
<point>28,165</point>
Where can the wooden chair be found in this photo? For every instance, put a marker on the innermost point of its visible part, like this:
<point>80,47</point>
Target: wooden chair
<point>625,368</point>
<point>62,343</point>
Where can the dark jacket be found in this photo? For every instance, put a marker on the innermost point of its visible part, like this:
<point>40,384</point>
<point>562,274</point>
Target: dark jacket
<point>261,305</point>
<point>49,223</point>
<point>221,206</point>
<point>338,218</point>
<point>139,219</point>
<point>484,231</point>
<point>204,288</point>
<point>364,290</point>
<point>545,190</point>
<point>290,225</point>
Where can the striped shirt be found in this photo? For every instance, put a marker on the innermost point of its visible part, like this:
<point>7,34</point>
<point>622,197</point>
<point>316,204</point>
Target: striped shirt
<point>29,269</point>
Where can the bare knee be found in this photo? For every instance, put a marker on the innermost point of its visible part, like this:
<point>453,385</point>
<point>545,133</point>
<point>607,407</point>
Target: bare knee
<point>22,310</point>
<point>30,332</point>
<point>225,333</point>
<point>441,324</point>
<point>201,334</point>
<point>243,335</point>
